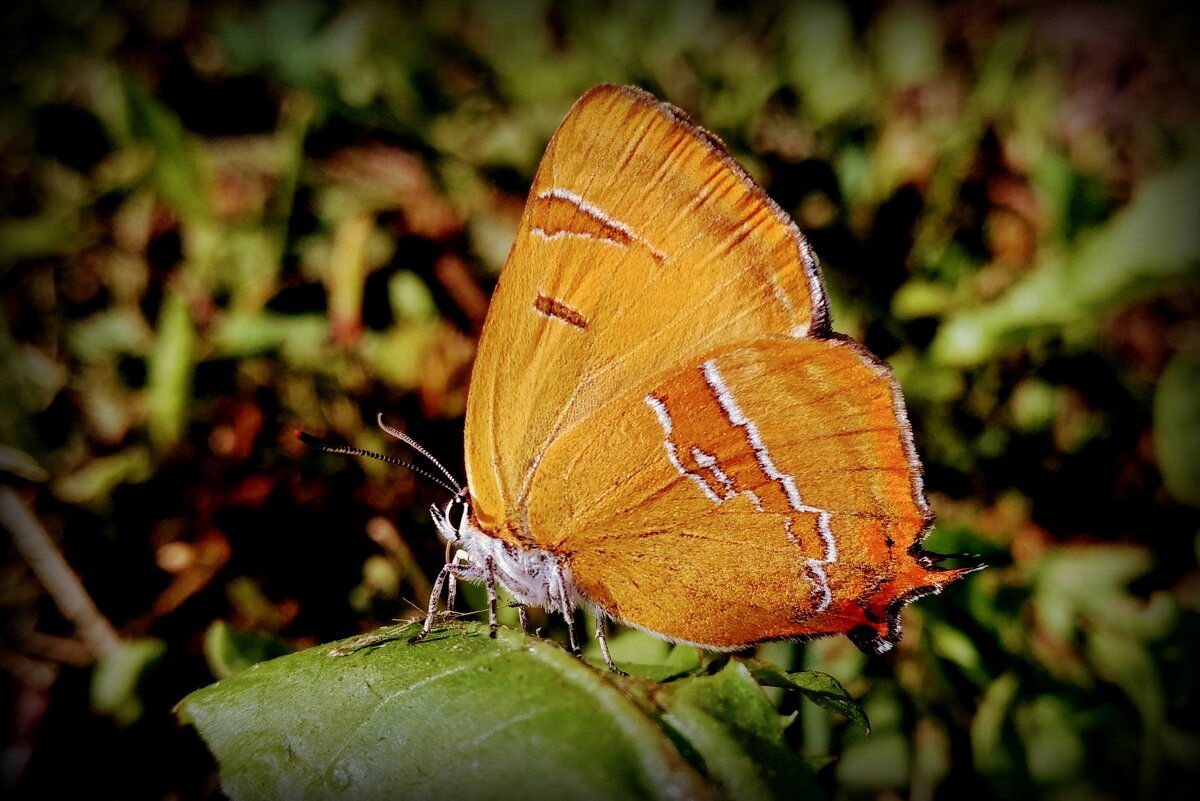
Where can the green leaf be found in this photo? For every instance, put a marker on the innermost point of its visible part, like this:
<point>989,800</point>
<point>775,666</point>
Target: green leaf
<point>181,171</point>
<point>1050,731</point>
<point>826,67</point>
<point>822,689</point>
<point>458,715</point>
<point>1081,586</point>
<point>51,234</point>
<point>107,334</point>
<point>119,675</point>
<point>397,356</point>
<point>229,650</point>
<point>1177,428</point>
<point>94,482</point>
<point>410,297</point>
<point>881,762</point>
<point>169,386</point>
<point>1122,658</point>
<point>992,732</point>
<point>300,337</point>
<point>642,654</point>
<point>1149,245</point>
<point>908,44</point>
<point>730,724</point>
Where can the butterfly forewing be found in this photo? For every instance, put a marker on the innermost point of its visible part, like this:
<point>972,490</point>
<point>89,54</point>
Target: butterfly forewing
<point>642,244</point>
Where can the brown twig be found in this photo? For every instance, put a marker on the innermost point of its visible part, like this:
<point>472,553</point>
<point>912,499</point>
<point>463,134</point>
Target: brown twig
<point>56,575</point>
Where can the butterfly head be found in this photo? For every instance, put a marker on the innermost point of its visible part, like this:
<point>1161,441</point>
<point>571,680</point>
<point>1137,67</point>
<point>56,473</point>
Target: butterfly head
<point>444,517</point>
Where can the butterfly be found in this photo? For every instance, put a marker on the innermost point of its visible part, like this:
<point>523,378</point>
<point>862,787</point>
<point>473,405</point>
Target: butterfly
<point>661,424</point>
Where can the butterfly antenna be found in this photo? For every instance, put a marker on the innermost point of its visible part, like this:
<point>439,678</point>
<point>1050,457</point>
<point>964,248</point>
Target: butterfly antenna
<point>412,443</point>
<point>328,447</point>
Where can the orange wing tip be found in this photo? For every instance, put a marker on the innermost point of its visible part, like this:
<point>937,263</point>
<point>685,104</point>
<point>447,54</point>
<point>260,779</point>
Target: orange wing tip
<point>877,638</point>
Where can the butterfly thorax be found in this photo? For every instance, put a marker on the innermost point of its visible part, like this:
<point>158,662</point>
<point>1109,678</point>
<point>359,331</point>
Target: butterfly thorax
<point>534,577</point>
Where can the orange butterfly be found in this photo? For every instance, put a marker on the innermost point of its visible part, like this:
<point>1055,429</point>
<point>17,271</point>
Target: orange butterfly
<point>661,425</point>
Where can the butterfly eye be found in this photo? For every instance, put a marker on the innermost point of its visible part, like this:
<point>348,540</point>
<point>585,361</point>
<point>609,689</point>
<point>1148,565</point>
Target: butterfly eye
<point>465,521</point>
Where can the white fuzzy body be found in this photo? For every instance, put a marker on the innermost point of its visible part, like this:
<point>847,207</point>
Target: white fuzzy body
<point>532,576</point>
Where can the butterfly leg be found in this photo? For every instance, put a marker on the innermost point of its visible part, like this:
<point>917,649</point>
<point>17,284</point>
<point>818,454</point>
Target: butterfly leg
<point>434,594</point>
<point>568,611</point>
<point>452,581</point>
<point>603,640</point>
<point>569,615</point>
<point>523,616</point>
<point>450,573</point>
<point>489,569</point>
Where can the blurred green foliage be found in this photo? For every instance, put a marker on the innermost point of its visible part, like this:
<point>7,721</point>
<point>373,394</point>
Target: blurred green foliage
<point>218,224</point>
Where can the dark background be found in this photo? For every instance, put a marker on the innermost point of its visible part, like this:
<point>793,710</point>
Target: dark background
<point>218,224</point>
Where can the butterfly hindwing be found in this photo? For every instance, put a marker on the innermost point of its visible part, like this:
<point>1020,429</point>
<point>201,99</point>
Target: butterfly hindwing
<point>770,488</point>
